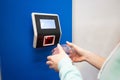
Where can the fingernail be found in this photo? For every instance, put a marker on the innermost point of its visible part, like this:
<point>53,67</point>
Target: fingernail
<point>58,44</point>
<point>67,42</point>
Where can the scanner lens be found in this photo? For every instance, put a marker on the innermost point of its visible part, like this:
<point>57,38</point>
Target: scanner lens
<point>49,40</point>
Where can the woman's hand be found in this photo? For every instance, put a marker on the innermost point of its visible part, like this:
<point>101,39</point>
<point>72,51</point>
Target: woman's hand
<point>76,53</point>
<point>57,55</point>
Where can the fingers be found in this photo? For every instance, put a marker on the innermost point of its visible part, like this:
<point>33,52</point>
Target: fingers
<point>59,47</point>
<point>49,58</point>
<point>69,44</point>
<point>49,62</point>
<point>57,50</point>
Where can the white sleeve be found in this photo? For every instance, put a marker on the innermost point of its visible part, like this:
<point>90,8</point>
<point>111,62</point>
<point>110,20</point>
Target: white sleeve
<point>67,71</point>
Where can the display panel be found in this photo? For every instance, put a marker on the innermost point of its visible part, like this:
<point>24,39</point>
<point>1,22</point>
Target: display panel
<point>47,24</point>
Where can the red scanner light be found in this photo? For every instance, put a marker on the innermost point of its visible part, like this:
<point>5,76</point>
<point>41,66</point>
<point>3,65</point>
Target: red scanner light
<point>49,40</point>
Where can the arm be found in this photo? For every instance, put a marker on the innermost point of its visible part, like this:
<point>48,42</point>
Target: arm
<point>61,62</point>
<point>95,60</point>
<point>78,54</point>
<point>67,71</point>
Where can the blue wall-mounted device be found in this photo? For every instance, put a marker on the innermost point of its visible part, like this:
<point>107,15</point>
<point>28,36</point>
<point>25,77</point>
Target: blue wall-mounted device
<point>47,30</point>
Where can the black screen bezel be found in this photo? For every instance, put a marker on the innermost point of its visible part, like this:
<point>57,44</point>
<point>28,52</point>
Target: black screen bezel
<point>47,31</point>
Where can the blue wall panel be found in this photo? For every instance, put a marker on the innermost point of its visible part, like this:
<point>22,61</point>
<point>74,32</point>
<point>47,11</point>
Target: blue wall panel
<point>20,61</point>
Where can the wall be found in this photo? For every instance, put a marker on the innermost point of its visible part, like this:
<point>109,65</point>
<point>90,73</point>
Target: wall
<point>96,27</point>
<point>19,60</point>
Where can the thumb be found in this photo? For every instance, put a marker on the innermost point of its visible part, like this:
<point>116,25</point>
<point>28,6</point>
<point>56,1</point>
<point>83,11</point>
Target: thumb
<point>60,48</point>
<point>69,44</point>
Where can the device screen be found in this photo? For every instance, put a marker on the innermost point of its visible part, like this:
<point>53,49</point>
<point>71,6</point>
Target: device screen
<point>47,24</point>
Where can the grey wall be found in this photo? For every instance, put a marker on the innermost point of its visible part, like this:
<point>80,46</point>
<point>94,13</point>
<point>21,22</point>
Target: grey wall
<point>96,27</point>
